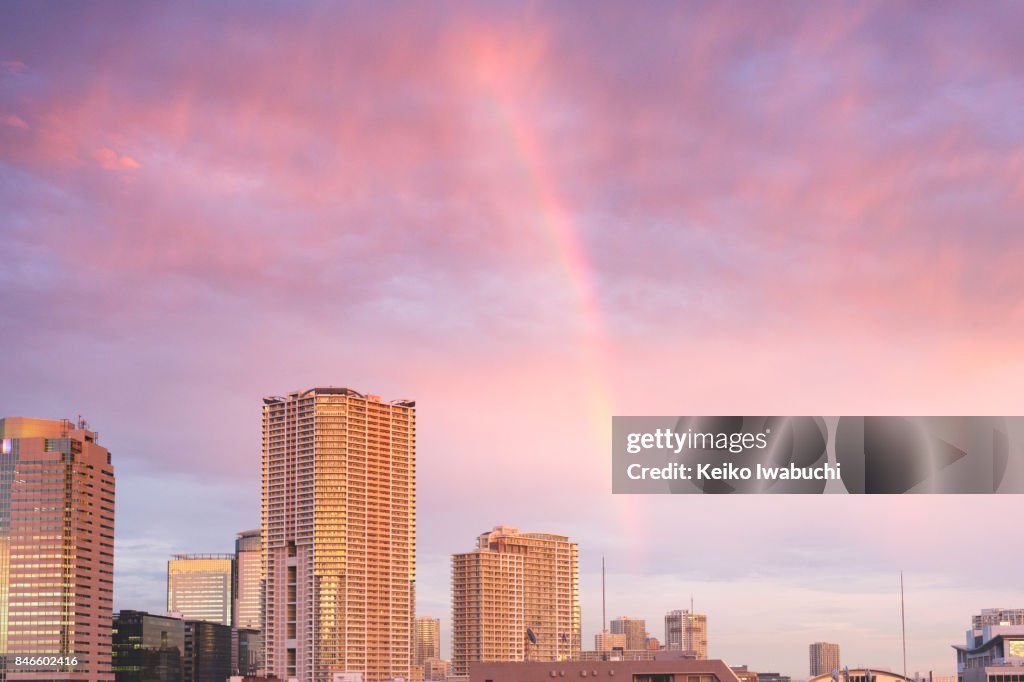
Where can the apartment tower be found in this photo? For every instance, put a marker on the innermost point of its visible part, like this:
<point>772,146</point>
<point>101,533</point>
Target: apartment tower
<point>515,598</point>
<point>56,549</point>
<point>686,631</point>
<point>427,639</point>
<point>339,534</point>
<point>199,586</point>
<point>824,658</point>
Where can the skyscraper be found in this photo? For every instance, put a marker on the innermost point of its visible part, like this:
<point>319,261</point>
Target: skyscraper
<point>427,639</point>
<point>248,582</point>
<point>824,658</point>
<point>339,533</point>
<point>515,597</point>
<point>685,631</point>
<point>635,630</point>
<point>56,548</point>
<point>199,586</point>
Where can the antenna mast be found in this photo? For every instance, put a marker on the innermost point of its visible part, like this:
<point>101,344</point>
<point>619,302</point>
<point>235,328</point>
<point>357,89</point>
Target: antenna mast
<point>604,614</point>
<point>903,624</point>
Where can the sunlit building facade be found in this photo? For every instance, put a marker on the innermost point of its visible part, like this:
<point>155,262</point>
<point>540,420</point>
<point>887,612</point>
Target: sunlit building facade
<point>248,585</point>
<point>199,586</point>
<point>436,670</point>
<point>427,639</point>
<point>339,534</point>
<point>608,641</point>
<point>688,632</point>
<point>823,658</point>
<point>515,598</point>
<point>56,549</point>
<point>634,629</point>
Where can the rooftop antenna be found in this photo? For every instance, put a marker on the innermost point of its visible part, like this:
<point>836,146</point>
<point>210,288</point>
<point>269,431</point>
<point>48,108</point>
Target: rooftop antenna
<point>903,624</point>
<point>604,614</point>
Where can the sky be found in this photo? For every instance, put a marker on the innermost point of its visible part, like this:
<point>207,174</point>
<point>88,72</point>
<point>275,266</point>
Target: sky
<point>529,217</point>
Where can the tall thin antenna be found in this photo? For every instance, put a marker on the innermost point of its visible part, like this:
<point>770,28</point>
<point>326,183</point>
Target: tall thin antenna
<point>604,615</point>
<point>691,604</point>
<point>903,623</point>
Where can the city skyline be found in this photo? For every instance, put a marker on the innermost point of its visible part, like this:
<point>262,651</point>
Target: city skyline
<point>529,220</point>
<point>971,621</point>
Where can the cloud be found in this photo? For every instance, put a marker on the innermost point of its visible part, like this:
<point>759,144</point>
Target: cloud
<point>526,219</point>
<point>14,121</point>
<point>110,160</point>
<point>12,66</point>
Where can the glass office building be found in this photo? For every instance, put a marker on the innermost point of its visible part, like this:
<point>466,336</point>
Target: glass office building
<point>147,647</point>
<point>56,549</point>
<point>199,586</point>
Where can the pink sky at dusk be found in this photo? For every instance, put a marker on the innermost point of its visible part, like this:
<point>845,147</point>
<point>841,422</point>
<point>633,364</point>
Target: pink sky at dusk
<point>529,217</point>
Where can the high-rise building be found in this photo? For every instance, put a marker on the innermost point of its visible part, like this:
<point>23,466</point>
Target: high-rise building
<point>148,647</point>
<point>339,534</point>
<point>199,586</point>
<point>515,598</point>
<point>635,630</point>
<point>686,631</point>
<point>56,549</point>
<point>427,639</point>
<point>248,583</point>
<point>824,658</point>
<point>207,652</point>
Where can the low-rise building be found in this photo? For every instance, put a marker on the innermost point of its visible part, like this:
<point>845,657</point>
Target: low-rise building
<point>675,670</point>
<point>995,653</point>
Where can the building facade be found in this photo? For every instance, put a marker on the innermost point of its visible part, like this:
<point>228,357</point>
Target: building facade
<point>248,581</point>
<point>685,631</point>
<point>515,598</point>
<point>148,647</point>
<point>199,586</point>
<point>670,670</point>
<point>862,675</point>
<point>339,535</point>
<point>436,670</point>
<point>991,653</point>
<point>207,652</point>
<point>824,658</point>
<point>998,616</point>
<point>609,641</point>
<point>56,549</point>
<point>635,630</point>
<point>426,639</point>
<point>247,651</point>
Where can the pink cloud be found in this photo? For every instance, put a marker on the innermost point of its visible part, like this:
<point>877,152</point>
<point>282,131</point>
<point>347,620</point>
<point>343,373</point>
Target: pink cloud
<point>14,121</point>
<point>110,160</point>
<point>12,66</point>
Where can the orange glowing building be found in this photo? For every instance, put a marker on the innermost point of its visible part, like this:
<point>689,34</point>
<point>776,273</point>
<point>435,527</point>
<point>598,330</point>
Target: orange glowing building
<point>339,532</point>
<point>515,598</point>
<point>56,551</point>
